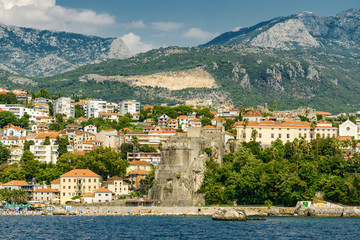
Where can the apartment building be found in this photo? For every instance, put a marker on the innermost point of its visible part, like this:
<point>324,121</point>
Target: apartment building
<point>93,108</point>
<point>150,157</point>
<point>268,131</point>
<point>129,106</point>
<point>78,182</point>
<point>117,185</point>
<point>65,105</point>
<point>42,108</point>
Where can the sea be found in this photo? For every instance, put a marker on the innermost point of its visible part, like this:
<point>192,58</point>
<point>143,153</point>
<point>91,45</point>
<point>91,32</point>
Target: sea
<point>165,227</point>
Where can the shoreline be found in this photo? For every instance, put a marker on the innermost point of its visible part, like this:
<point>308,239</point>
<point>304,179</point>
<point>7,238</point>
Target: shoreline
<point>191,211</point>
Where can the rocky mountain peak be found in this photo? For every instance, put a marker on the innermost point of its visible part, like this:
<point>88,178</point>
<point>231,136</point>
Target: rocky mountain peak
<point>39,53</point>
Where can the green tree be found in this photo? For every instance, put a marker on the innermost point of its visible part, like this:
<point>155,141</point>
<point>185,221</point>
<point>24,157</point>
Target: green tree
<point>4,154</point>
<point>29,165</point>
<point>47,141</point>
<point>7,118</point>
<point>62,143</point>
<point>27,144</point>
<point>205,121</point>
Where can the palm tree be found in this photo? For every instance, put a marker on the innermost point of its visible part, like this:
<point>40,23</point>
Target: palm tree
<point>135,142</point>
<point>275,104</point>
<point>254,135</point>
<point>313,127</point>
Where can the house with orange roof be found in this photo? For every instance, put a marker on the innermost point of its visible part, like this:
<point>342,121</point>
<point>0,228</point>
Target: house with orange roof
<point>55,184</point>
<point>139,164</point>
<point>153,158</point>
<point>135,177</point>
<point>14,185</point>
<point>46,195</point>
<point>80,120</point>
<point>44,120</point>
<point>8,141</point>
<point>117,185</point>
<point>284,130</point>
<point>110,115</point>
<point>39,127</point>
<point>253,116</point>
<point>78,182</point>
<point>99,196</point>
<point>14,131</point>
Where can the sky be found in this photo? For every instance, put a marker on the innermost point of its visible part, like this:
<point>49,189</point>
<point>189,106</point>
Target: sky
<point>148,24</point>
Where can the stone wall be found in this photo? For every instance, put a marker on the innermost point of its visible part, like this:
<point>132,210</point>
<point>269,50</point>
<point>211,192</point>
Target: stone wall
<point>181,172</point>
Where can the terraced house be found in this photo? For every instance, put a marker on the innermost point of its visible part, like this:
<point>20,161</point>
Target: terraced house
<point>268,131</point>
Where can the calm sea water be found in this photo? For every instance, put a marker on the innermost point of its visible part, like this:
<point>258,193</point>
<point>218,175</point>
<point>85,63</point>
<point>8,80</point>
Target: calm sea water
<point>150,227</point>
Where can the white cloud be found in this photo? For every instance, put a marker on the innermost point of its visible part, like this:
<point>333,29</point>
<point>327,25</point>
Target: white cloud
<point>134,24</point>
<point>134,43</point>
<point>199,34</point>
<point>45,14</point>
<point>167,26</point>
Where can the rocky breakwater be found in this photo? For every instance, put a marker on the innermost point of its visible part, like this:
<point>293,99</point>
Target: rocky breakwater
<point>327,211</point>
<point>233,214</point>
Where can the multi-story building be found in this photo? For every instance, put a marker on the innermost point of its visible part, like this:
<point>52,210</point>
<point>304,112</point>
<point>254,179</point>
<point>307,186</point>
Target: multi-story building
<point>129,106</point>
<point>173,124</point>
<point>150,157</point>
<point>110,116</point>
<point>139,165</point>
<point>42,107</point>
<point>117,185</point>
<point>78,182</point>
<point>14,131</point>
<point>93,108</point>
<point>135,178</point>
<point>15,155</point>
<point>65,105</point>
<point>163,120</point>
<point>287,131</point>
<point>16,109</point>
<point>46,195</point>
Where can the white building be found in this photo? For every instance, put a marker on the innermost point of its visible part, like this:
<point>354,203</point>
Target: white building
<point>46,195</point>
<point>93,108</point>
<point>348,129</point>
<point>16,109</point>
<point>163,120</point>
<point>91,129</point>
<point>129,106</point>
<point>118,186</point>
<point>65,105</point>
<point>14,131</point>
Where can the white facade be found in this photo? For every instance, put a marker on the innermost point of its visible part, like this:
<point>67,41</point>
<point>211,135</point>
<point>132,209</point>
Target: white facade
<point>16,109</point>
<point>91,129</point>
<point>65,105</point>
<point>46,153</point>
<point>163,120</point>
<point>348,129</point>
<point>14,131</point>
<point>130,106</point>
<point>93,108</point>
<point>33,114</point>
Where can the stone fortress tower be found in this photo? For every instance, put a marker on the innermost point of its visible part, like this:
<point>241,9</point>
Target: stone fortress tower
<point>181,171</point>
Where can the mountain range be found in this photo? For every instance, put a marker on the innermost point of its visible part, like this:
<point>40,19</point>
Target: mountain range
<point>40,53</point>
<point>300,60</point>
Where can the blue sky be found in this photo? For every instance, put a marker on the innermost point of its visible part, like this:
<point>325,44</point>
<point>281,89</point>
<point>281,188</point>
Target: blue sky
<point>146,24</point>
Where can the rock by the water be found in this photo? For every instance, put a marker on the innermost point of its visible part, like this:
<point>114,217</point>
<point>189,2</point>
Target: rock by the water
<point>233,214</point>
<point>301,210</point>
<point>351,212</point>
<point>273,211</point>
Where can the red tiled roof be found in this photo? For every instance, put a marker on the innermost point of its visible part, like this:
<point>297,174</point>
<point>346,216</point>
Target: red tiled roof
<point>56,181</point>
<point>80,173</point>
<point>139,163</point>
<point>103,190</point>
<point>89,195</point>
<point>139,172</point>
<point>47,134</point>
<point>16,183</point>
<point>47,190</point>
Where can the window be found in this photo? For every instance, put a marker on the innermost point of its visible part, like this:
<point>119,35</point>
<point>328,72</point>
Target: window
<point>69,180</point>
<point>64,180</point>
<point>106,194</point>
<point>304,135</point>
<point>323,135</point>
<point>69,187</point>
<point>272,135</point>
<point>99,194</point>
<point>279,135</point>
<point>64,194</point>
<point>94,180</point>
<point>244,135</point>
<point>299,135</point>
<point>260,135</point>
<point>63,187</point>
<point>311,135</point>
<point>90,180</point>
<point>288,135</point>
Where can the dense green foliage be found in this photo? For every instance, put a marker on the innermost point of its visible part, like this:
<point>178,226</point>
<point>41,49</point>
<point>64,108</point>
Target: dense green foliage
<point>13,196</point>
<point>284,174</point>
<point>103,161</point>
